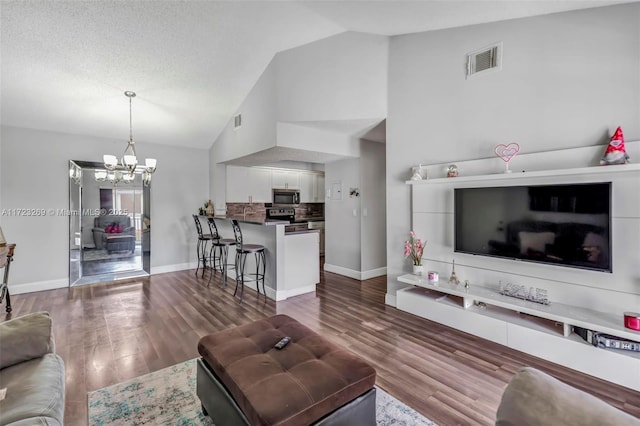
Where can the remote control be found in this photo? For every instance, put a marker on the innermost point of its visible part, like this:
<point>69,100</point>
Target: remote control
<point>282,343</point>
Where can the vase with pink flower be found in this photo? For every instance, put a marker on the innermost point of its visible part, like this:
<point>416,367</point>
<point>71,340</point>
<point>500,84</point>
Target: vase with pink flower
<point>413,249</point>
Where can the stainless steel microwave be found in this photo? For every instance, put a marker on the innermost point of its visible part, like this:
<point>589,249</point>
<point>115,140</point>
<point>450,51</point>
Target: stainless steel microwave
<point>289,197</point>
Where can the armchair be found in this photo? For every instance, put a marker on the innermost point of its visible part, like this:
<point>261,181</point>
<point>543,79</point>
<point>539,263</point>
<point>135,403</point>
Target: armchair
<point>31,372</point>
<point>102,222</point>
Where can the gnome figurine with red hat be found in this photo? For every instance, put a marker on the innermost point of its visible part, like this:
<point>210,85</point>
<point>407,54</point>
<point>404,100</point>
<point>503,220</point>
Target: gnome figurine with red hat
<point>615,153</point>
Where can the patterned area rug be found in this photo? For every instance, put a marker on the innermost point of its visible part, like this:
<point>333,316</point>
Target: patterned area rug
<point>168,396</point>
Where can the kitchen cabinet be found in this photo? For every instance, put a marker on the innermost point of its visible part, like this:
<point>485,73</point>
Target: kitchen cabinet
<point>288,179</point>
<point>320,192</point>
<point>311,187</point>
<point>248,185</point>
<point>254,184</point>
<point>307,187</point>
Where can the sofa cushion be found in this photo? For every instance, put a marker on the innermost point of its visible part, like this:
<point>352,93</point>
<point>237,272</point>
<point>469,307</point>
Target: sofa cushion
<point>307,379</point>
<point>534,398</point>
<point>35,391</point>
<point>25,338</point>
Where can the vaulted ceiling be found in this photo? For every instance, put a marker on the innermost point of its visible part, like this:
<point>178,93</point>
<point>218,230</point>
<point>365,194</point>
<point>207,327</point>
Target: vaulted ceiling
<point>66,64</point>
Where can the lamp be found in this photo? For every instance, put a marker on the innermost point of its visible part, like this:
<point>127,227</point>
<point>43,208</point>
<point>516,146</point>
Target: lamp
<point>129,161</point>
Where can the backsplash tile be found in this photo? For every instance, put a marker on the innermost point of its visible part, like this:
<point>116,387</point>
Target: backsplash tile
<point>310,211</point>
<point>248,210</point>
<point>259,211</point>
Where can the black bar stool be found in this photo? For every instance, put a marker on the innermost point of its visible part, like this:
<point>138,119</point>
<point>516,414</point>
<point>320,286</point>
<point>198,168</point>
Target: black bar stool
<point>242,250</point>
<point>201,248</point>
<point>220,252</point>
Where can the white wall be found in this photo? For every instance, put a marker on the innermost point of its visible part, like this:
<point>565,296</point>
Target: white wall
<point>342,226</point>
<point>355,234</point>
<point>317,140</point>
<point>259,116</point>
<point>34,175</point>
<point>218,188</point>
<point>567,81</point>
<point>373,214</point>
<point>338,78</point>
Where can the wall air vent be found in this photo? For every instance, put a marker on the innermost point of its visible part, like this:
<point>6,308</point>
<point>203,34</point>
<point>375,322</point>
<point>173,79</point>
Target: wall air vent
<point>237,121</point>
<point>484,60</point>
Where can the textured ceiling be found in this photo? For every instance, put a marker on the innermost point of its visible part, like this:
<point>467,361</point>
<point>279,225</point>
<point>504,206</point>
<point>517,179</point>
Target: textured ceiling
<point>65,64</point>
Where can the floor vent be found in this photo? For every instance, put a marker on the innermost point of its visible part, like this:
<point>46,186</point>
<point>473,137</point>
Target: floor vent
<point>484,60</point>
<point>237,121</point>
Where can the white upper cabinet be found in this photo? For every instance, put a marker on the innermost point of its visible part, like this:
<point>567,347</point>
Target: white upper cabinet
<point>288,179</point>
<point>248,185</point>
<point>260,180</point>
<point>311,187</point>
<point>254,184</point>
<point>307,187</point>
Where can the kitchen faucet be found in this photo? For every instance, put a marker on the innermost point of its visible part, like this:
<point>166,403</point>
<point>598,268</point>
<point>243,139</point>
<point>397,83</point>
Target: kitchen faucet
<point>244,212</point>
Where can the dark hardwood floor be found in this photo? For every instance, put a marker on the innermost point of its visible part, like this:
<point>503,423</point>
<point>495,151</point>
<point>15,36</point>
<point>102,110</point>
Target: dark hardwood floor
<point>108,333</point>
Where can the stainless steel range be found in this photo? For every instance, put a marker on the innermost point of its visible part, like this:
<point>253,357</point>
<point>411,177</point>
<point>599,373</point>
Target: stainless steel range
<point>281,213</point>
<point>287,213</point>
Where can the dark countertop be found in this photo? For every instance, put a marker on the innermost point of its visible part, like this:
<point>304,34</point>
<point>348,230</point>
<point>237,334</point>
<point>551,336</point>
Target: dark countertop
<point>254,221</point>
<point>310,219</point>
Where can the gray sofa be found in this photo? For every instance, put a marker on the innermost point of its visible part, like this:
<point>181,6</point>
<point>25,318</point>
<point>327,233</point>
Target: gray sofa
<point>31,372</point>
<point>534,398</point>
<point>100,224</point>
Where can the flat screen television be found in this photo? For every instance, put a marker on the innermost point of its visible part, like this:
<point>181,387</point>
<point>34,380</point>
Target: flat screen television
<point>565,224</point>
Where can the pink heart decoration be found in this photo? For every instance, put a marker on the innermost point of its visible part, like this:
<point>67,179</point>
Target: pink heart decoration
<point>507,152</point>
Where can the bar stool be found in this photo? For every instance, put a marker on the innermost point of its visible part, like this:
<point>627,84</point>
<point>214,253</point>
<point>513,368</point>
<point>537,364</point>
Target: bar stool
<point>201,248</point>
<point>219,247</point>
<point>242,250</point>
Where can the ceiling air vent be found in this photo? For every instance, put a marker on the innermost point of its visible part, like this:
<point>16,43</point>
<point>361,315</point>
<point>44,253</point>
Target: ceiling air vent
<point>484,60</point>
<point>237,121</point>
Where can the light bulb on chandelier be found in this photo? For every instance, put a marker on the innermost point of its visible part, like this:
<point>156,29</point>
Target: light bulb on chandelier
<point>129,161</point>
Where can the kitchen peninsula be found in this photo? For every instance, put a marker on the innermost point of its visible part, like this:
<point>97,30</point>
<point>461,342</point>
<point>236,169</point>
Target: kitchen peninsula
<point>292,258</point>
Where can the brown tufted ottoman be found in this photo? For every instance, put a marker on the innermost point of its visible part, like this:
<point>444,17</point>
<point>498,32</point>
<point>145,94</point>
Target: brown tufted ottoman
<point>243,380</point>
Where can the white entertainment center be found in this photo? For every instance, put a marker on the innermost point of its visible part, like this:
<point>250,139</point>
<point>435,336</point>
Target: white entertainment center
<point>586,299</point>
<point>541,330</point>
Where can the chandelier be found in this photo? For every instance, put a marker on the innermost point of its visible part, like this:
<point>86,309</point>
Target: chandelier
<point>124,170</point>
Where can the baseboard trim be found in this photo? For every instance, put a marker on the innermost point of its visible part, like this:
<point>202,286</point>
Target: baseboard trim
<point>285,294</point>
<point>358,275</point>
<point>390,300</point>
<point>342,271</point>
<point>173,268</point>
<point>372,273</point>
<point>38,286</point>
<point>64,282</point>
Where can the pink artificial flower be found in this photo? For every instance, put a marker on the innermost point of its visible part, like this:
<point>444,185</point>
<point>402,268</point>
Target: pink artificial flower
<point>414,247</point>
